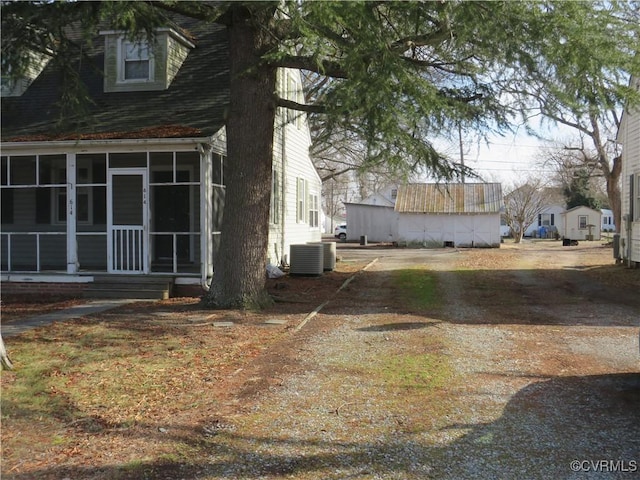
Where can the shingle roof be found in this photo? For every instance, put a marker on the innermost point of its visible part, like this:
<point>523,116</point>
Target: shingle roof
<point>449,198</point>
<point>193,105</point>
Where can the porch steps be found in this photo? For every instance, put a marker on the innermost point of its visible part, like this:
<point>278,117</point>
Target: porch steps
<point>129,287</point>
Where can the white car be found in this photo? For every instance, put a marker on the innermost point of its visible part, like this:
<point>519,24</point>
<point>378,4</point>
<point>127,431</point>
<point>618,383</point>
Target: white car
<point>340,232</point>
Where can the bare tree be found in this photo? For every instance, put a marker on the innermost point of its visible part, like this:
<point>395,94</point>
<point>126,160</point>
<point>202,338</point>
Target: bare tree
<point>522,204</point>
<point>570,164</point>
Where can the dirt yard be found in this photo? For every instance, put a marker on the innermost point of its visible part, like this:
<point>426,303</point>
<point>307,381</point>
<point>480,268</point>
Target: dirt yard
<point>526,365</point>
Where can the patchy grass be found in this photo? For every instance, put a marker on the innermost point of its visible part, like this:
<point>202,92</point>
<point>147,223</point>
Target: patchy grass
<point>417,287</point>
<point>121,384</point>
<point>427,371</point>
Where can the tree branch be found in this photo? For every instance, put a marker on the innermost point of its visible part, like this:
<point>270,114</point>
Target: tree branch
<point>301,107</point>
<point>324,67</point>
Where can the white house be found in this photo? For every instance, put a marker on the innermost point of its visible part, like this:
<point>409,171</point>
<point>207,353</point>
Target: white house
<point>385,197</point>
<point>137,188</point>
<point>580,223</point>
<point>629,137</point>
<point>548,218</point>
<point>436,215</point>
<point>608,223</point>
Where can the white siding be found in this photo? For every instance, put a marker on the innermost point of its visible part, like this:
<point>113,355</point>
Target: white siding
<point>629,136</point>
<point>378,223</point>
<point>472,230</point>
<point>291,155</point>
<point>383,224</point>
<point>556,210</point>
<point>570,227</point>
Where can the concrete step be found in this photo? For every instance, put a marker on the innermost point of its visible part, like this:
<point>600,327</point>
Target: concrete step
<point>129,287</point>
<point>151,294</point>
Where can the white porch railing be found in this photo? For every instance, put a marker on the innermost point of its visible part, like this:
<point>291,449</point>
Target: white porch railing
<point>127,249</point>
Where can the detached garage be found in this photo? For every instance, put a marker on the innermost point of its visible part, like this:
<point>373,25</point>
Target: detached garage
<point>433,215</point>
<point>460,215</point>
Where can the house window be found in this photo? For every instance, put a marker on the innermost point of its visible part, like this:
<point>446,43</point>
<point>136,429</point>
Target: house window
<point>136,61</point>
<point>292,90</point>
<point>583,220</point>
<point>546,219</point>
<point>301,201</point>
<point>394,193</point>
<point>314,211</point>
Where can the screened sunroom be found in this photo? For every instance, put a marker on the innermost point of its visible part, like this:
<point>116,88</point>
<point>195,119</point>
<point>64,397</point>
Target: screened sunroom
<point>110,211</point>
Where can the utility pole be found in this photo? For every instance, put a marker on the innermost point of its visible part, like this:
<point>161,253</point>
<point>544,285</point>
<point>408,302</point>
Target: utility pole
<point>461,149</point>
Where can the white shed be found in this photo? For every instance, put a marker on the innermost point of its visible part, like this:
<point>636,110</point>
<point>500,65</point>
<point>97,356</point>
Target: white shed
<point>378,223</point>
<point>432,214</point>
<point>581,223</point>
<point>461,215</point>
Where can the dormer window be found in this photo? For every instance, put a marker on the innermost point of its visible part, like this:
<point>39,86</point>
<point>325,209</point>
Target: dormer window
<point>135,65</point>
<point>136,62</point>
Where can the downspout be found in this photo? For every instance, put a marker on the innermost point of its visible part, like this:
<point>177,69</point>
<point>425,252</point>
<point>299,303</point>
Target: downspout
<point>283,201</point>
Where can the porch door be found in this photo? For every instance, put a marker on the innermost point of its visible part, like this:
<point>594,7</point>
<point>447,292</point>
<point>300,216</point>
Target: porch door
<point>127,224</point>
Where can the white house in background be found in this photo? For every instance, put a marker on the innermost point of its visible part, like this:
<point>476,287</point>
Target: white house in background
<point>608,223</point>
<point>629,137</point>
<point>548,218</point>
<point>435,215</point>
<point>385,197</point>
<point>138,188</point>
<point>580,223</point>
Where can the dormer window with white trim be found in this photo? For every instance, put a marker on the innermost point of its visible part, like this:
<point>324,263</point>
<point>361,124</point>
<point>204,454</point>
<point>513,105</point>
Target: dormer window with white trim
<point>137,64</point>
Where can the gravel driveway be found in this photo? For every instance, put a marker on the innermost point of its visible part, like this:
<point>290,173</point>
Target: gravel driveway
<point>529,370</point>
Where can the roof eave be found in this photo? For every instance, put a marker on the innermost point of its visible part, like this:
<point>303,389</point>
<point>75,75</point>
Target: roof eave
<point>9,147</point>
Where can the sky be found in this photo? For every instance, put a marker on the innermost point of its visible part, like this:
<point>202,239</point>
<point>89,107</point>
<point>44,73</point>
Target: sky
<point>509,158</point>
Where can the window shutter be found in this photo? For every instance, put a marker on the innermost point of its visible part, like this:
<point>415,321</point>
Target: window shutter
<point>539,219</point>
<point>553,222</point>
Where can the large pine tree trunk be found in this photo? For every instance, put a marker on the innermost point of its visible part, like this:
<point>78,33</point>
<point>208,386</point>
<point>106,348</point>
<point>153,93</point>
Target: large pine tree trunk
<point>240,264</point>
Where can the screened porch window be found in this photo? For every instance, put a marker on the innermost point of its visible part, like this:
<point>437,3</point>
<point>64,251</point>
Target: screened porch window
<point>175,210</point>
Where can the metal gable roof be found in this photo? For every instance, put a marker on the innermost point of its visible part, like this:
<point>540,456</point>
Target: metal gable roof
<point>449,198</point>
